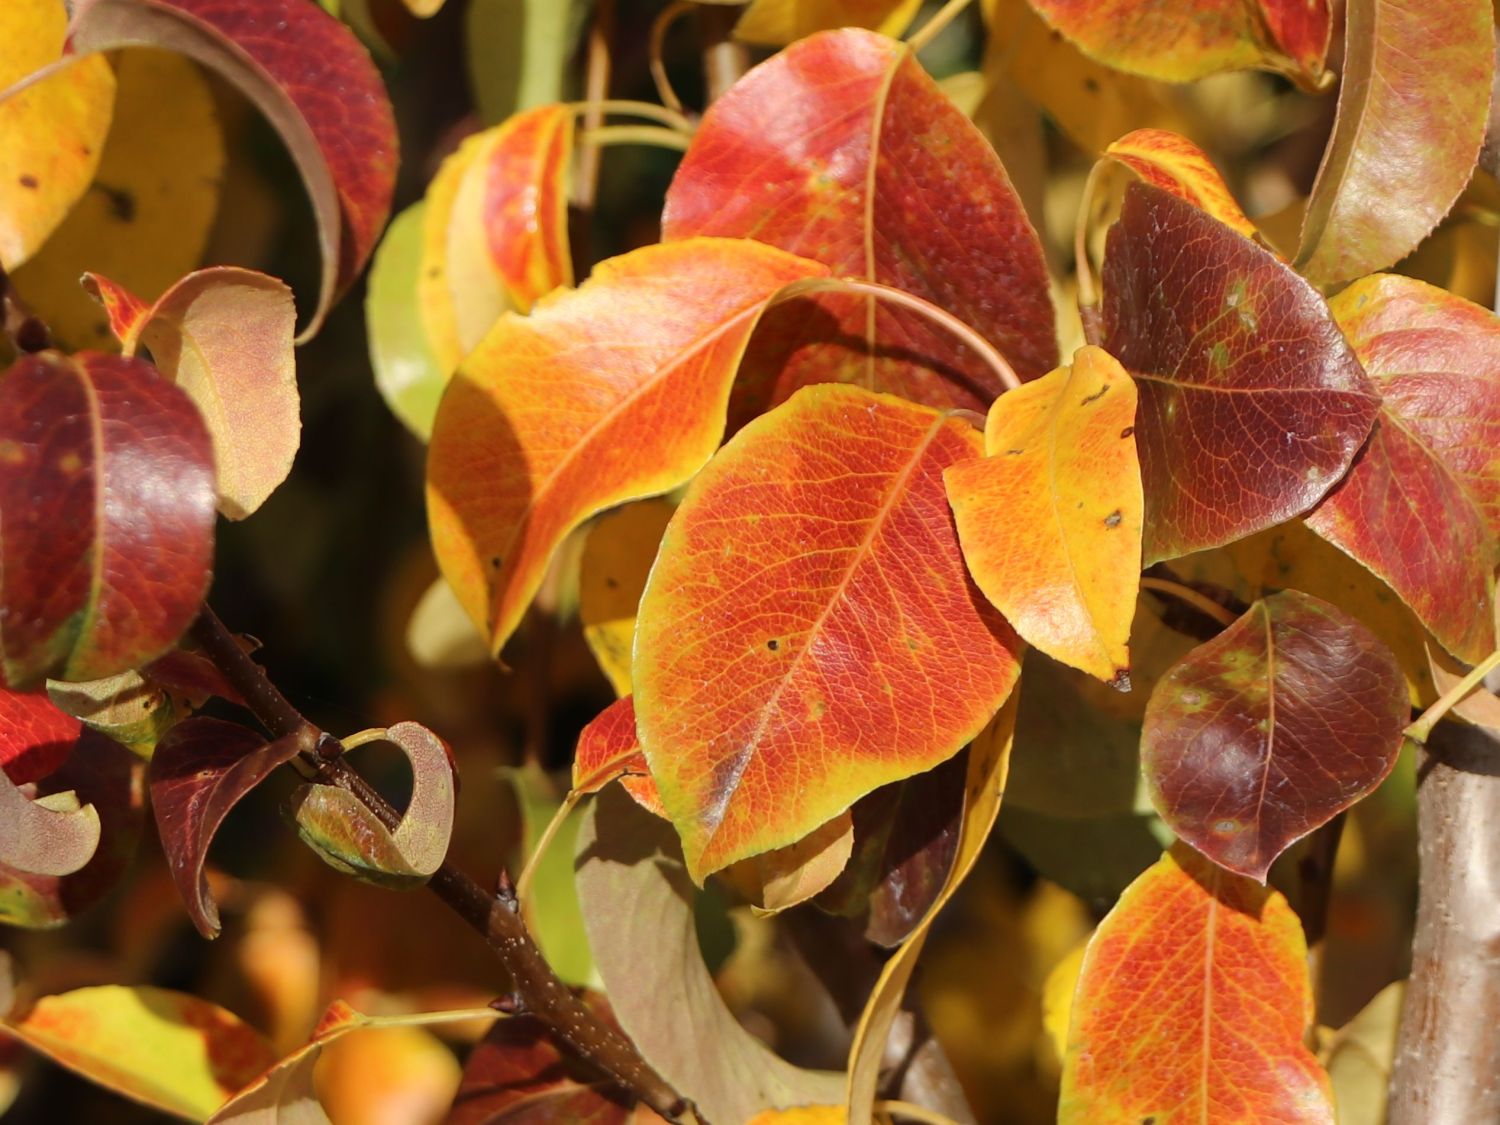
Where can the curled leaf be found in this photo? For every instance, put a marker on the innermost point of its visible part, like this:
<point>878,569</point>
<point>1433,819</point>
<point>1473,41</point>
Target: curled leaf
<point>1175,164</point>
<point>53,838</point>
<point>130,708</point>
<point>609,749</point>
<point>106,516</point>
<point>349,838</point>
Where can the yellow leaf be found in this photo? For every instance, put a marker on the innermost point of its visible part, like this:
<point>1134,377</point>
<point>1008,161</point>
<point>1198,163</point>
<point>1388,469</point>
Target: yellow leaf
<point>617,556</point>
<point>1057,999</point>
<point>437,294</point>
<point>780,879</point>
<point>775,23</point>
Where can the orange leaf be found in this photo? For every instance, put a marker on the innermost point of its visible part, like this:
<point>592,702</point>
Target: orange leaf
<point>780,879</point>
<point>815,551</point>
<point>1174,163</point>
<point>608,749</point>
<point>1050,521</point>
<point>775,23</point>
<point>606,393</point>
<point>1191,1006</point>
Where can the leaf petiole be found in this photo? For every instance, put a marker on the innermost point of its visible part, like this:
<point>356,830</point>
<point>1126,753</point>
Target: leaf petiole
<point>625,107</point>
<point>635,135</point>
<point>934,27</point>
<point>533,861</point>
<point>1419,731</point>
<point>1201,602</point>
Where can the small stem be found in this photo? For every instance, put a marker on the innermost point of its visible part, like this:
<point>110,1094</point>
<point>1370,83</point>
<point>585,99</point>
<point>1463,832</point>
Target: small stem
<point>1200,602</point>
<point>914,1113</point>
<point>636,135</point>
<point>625,107</point>
<point>362,738</point>
<point>1421,730</point>
<point>925,308</point>
<point>534,860</point>
<point>1088,295</point>
<point>456,1015</point>
<point>724,60</point>
<point>659,28</point>
<point>1315,895</point>
<point>934,27</point>
<point>596,90</point>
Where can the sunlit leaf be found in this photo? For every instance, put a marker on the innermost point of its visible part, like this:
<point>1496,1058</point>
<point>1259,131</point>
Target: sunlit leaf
<point>1252,406</point>
<point>828,521</point>
<point>455,315</point>
<point>1407,135</point>
<point>1175,164</point>
<point>1421,505</point>
<point>288,57</point>
<point>1050,518</point>
<point>984,786</point>
<point>48,836</point>
<point>1191,1006</point>
<point>407,372</point>
<point>224,335</point>
<point>638,906</point>
<point>130,708</point>
<point>168,1050</point>
<point>608,749</point>
<point>200,771</point>
<point>1272,728</point>
<point>546,423</point>
<point>841,148</point>
<point>1191,40</point>
<point>776,23</point>
<point>54,129</point>
<point>106,516</point>
<point>617,556</point>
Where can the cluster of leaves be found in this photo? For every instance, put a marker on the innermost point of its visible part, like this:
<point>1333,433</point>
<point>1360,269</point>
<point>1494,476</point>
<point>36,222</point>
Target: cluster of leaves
<point>855,518</point>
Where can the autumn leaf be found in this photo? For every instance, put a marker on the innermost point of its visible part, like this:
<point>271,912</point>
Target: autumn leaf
<point>224,335</point>
<point>776,23</point>
<point>455,313</point>
<point>828,521</point>
<point>551,420</point>
<point>784,877</point>
<point>201,770</point>
<point>842,149</point>
<point>608,749</point>
<point>313,81</point>
<point>407,372</point>
<point>35,735</point>
<point>1175,164</point>
<point>1252,406</point>
<point>1421,505</point>
<point>109,478</point>
<point>1409,128</point>
<point>54,127</point>
<point>1050,518</point>
<point>167,1050</point>
<point>47,836</point>
<point>1202,37</point>
<point>1271,729</point>
<point>1191,1006</point>
<point>130,708</point>
<point>617,556</point>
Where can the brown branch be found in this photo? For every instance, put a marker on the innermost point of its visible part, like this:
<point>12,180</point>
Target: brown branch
<point>493,916</point>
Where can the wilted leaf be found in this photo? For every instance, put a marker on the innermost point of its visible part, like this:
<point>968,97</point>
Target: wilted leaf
<point>1050,518</point>
<point>1175,164</point>
<point>1271,729</point>
<point>608,749</point>
<point>173,1052</point>
<point>984,786</point>
<point>828,522</point>
<point>106,516</point>
<point>54,129</point>
<point>1409,127</point>
<point>315,84</point>
<point>1191,1006</point>
<point>130,708</point>
<point>547,422</point>
<point>638,906</point>
<point>1183,42</point>
<point>201,770</point>
<point>349,838</point>
<point>617,556</point>
<point>842,148</point>
<point>1252,406</point>
<point>224,335</point>
<point>1421,505</point>
<point>407,372</point>
<point>776,23</point>
<point>146,217</point>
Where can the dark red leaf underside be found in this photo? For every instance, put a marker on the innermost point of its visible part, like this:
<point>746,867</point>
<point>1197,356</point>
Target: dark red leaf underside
<point>35,736</point>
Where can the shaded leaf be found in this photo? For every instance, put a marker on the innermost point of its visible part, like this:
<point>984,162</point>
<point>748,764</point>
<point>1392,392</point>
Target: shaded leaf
<point>1409,128</point>
<point>518,52</point>
<point>1224,1042</point>
<point>1188,41</point>
<point>776,23</point>
<point>109,480</point>
<point>780,879</point>
<point>842,148</point>
<point>407,372</point>
<point>46,837</point>
<point>1361,1055</point>
<point>315,84</point>
<point>984,786</point>
<point>130,708</point>
<point>1252,406</point>
<point>348,837</point>
<point>36,736</point>
<point>224,335</point>
<point>544,424</point>
<point>638,907</point>
<point>828,522</point>
<point>201,770</point>
<point>1050,518</point>
<point>54,129</point>
<point>439,633</point>
<point>1271,729</point>
<point>1175,164</point>
<point>608,749</point>
<point>168,1050</point>
<point>617,556</point>
<point>1421,505</point>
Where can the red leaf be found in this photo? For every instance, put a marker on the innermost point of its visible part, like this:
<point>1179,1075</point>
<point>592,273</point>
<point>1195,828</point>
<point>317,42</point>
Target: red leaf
<point>35,736</point>
<point>1251,405</point>
<point>1271,729</point>
<point>608,749</point>
<point>843,149</point>
<point>201,770</point>
<point>106,516</point>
